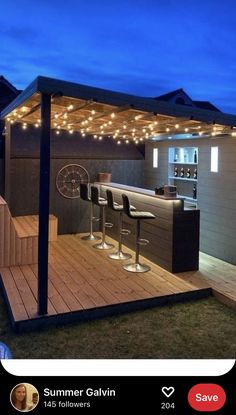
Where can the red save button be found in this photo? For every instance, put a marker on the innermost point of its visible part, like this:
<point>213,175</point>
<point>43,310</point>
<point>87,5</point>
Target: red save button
<point>206,397</point>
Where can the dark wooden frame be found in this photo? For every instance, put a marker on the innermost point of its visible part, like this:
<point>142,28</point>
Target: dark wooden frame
<point>44,196</point>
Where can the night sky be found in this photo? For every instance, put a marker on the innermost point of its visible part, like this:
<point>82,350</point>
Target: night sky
<point>142,47</point>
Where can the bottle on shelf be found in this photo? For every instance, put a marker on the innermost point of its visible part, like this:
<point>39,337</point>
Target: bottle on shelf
<point>185,157</point>
<point>188,174</point>
<point>195,156</point>
<point>176,157</point>
<point>182,172</point>
<point>194,192</point>
<point>176,172</point>
<point>195,174</point>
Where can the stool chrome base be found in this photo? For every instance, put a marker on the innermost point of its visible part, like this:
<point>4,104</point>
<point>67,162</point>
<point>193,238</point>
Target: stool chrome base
<point>136,267</point>
<point>90,237</point>
<point>119,255</point>
<point>103,245</point>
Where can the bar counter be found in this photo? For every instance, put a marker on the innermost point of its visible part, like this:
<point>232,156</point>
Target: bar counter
<point>174,234</point>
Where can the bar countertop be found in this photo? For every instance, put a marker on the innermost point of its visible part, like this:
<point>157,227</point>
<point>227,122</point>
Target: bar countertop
<point>146,192</point>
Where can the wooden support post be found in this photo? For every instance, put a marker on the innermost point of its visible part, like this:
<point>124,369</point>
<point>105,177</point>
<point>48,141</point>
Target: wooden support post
<point>44,192</point>
<point>7,162</point>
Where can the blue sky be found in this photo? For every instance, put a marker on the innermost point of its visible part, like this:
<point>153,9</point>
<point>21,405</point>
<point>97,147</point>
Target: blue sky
<point>142,47</point>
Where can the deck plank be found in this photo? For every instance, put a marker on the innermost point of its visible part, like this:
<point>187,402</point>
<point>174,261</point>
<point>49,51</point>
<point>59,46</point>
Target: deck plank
<point>17,306</point>
<point>218,274</point>
<point>24,291</point>
<point>113,271</point>
<point>32,282</point>
<point>83,279</point>
<point>56,299</point>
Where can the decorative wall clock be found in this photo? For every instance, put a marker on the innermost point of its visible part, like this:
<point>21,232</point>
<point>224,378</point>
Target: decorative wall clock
<point>69,178</point>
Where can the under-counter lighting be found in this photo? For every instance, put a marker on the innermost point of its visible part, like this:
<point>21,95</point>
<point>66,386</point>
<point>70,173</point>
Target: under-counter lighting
<point>214,159</point>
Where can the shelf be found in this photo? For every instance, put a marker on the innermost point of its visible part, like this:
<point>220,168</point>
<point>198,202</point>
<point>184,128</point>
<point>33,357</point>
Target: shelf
<point>183,155</point>
<point>185,163</point>
<point>188,199</point>
<point>183,178</point>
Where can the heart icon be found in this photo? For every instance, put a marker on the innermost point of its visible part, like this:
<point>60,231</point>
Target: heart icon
<point>168,391</point>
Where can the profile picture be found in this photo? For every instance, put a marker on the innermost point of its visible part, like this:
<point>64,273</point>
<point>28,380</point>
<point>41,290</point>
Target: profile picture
<point>24,397</point>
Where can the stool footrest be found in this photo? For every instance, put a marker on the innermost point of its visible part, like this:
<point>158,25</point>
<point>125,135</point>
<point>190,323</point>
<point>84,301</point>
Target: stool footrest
<point>96,219</point>
<point>125,232</point>
<point>143,241</point>
<point>108,225</point>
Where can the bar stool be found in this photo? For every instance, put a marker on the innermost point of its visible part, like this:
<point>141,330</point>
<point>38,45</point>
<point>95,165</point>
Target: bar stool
<point>138,216</point>
<point>118,208</point>
<point>84,194</point>
<point>101,203</point>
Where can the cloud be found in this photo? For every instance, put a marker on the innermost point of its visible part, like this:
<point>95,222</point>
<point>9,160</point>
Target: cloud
<point>143,47</point>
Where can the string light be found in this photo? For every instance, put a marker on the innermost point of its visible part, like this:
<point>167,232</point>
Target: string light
<point>122,129</point>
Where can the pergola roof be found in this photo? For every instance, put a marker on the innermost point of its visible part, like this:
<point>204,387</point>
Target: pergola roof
<point>99,112</point>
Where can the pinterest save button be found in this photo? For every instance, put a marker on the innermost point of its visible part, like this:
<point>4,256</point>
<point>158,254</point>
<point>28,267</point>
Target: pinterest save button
<point>206,397</point>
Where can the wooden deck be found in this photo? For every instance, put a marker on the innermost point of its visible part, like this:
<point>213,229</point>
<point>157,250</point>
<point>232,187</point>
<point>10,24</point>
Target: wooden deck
<point>84,284</point>
<point>217,274</point>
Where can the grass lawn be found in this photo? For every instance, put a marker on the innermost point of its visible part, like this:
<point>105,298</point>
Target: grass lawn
<point>200,329</point>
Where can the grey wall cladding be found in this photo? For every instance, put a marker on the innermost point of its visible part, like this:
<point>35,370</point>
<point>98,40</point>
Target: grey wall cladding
<point>72,213</point>
<point>216,191</point>
<point>124,162</point>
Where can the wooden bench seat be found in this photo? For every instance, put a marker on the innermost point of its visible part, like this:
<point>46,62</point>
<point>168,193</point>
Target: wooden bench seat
<point>19,237</point>
<point>28,226</point>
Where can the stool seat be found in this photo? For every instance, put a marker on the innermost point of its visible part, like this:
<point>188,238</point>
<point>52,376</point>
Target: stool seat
<point>141,215</point>
<point>117,207</point>
<point>101,202</point>
<point>138,216</point>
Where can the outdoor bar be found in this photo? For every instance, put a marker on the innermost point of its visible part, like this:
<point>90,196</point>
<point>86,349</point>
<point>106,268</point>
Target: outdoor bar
<point>173,235</point>
<point>59,136</point>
